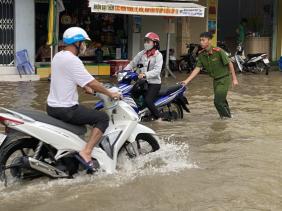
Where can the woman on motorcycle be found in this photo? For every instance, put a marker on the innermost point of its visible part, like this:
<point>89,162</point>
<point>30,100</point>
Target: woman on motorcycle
<point>151,62</point>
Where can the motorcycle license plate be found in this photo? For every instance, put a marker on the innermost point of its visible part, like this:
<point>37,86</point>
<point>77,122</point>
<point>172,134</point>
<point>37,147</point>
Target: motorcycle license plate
<point>266,61</point>
<point>2,138</point>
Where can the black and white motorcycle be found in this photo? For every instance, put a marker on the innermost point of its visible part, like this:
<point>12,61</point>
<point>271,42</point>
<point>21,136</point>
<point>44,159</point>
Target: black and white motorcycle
<point>254,63</point>
<point>35,144</point>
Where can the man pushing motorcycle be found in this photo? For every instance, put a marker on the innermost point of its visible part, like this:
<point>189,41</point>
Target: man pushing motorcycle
<point>219,67</point>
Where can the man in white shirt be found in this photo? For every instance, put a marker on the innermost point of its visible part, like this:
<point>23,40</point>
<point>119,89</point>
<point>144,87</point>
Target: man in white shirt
<point>68,72</point>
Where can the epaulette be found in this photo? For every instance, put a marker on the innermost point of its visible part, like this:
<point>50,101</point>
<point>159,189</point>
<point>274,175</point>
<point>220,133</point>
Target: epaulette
<point>217,49</point>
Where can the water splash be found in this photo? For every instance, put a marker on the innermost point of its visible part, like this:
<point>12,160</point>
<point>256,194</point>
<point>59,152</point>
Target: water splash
<point>170,158</point>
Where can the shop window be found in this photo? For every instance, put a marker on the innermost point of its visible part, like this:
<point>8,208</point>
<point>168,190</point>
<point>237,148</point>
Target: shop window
<point>108,32</point>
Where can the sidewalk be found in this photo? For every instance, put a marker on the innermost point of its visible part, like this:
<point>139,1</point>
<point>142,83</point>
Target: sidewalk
<point>11,74</point>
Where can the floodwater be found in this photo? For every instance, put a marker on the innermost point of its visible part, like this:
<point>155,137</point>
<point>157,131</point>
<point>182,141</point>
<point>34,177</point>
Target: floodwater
<point>204,163</point>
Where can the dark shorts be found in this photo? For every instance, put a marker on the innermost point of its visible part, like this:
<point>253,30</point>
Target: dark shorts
<point>80,115</point>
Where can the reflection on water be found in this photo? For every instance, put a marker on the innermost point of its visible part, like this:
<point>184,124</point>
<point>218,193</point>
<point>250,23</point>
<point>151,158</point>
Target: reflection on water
<point>204,163</point>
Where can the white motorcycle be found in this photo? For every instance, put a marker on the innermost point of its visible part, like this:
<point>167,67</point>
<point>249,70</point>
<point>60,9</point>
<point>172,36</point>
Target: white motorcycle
<point>254,63</point>
<point>35,144</point>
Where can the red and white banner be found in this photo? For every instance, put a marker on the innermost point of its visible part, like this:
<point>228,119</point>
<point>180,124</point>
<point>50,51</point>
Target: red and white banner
<point>147,8</point>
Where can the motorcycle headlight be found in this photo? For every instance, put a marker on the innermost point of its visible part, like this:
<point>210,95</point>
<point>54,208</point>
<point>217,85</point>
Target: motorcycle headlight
<point>120,76</point>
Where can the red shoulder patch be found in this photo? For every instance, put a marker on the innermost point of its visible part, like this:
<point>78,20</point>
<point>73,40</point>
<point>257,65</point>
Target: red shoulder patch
<point>201,51</point>
<point>217,49</point>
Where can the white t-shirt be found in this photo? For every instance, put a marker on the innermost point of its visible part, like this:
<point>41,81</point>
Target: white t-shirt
<point>67,72</point>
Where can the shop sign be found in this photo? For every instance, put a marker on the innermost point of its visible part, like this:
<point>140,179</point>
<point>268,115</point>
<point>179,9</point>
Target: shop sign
<point>154,11</point>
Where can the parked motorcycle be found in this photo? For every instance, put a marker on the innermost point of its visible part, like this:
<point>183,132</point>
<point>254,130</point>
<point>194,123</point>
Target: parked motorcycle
<point>35,144</point>
<point>188,62</point>
<point>171,100</point>
<point>254,63</point>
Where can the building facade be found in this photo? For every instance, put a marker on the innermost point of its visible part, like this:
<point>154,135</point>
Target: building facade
<point>18,29</point>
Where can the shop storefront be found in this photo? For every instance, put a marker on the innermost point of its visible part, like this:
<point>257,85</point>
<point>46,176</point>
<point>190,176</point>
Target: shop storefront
<point>120,36</point>
<point>115,35</point>
<point>263,24</point>
<point>163,18</point>
<point>108,32</point>
<point>6,32</point>
<point>116,30</point>
<point>16,33</point>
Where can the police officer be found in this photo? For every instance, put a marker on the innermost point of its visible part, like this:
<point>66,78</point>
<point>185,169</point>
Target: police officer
<point>219,67</point>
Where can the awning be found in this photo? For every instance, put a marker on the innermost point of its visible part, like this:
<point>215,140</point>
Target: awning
<point>147,8</point>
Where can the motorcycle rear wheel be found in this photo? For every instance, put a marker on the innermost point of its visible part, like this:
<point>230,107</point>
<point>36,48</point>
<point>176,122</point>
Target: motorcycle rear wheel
<point>172,112</point>
<point>10,155</point>
<point>261,67</point>
<point>16,150</point>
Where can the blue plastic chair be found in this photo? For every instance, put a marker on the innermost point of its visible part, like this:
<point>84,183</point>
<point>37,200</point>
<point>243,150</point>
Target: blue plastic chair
<point>23,64</point>
<point>25,69</point>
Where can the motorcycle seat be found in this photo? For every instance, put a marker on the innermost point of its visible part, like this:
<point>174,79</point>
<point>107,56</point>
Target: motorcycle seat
<point>45,118</point>
<point>254,55</point>
<point>168,90</point>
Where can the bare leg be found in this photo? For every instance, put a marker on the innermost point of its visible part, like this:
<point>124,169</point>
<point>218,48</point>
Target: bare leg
<point>96,134</point>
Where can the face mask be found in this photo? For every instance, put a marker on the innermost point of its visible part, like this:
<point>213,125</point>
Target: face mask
<point>148,46</point>
<point>82,48</point>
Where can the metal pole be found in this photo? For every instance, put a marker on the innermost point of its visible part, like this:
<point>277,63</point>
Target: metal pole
<point>57,30</point>
<point>167,56</point>
<point>275,29</point>
<point>167,69</point>
<point>51,56</point>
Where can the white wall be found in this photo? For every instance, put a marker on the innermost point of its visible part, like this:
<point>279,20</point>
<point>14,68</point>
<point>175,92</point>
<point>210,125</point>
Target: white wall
<point>133,40</point>
<point>149,24</point>
<point>25,27</point>
<point>158,25</point>
<point>198,25</point>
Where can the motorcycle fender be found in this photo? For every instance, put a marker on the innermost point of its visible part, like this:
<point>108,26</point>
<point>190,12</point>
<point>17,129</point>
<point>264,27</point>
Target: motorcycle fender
<point>267,65</point>
<point>184,102</point>
<point>2,138</point>
<point>237,59</point>
<point>12,135</point>
<point>140,129</point>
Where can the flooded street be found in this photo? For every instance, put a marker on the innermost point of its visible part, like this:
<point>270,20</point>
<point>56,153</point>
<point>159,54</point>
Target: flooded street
<point>204,163</point>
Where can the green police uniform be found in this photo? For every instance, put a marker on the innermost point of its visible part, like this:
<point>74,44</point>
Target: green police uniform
<point>215,61</point>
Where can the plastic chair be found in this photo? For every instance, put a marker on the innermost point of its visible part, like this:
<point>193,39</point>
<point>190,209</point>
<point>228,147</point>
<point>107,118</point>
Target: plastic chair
<point>22,57</point>
<point>25,69</point>
<point>23,64</point>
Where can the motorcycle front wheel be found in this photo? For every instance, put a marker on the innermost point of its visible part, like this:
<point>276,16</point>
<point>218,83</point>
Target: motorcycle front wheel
<point>144,144</point>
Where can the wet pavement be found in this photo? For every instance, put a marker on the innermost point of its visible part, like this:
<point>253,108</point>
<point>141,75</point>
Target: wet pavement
<point>204,163</point>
